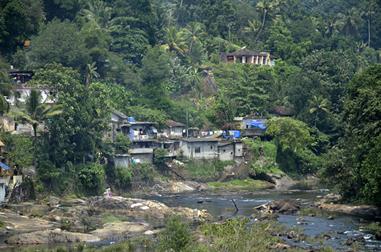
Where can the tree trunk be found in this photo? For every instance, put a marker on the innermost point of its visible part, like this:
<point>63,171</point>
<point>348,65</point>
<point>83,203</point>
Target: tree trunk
<point>263,24</point>
<point>369,28</point>
<point>34,143</point>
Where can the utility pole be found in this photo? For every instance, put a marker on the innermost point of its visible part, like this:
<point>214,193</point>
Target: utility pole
<point>187,115</point>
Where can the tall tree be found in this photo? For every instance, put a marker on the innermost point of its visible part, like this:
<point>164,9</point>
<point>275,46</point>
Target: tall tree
<point>19,20</point>
<point>58,42</point>
<point>362,118</point>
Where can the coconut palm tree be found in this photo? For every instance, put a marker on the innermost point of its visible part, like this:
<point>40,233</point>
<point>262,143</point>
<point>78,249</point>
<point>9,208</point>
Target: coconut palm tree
<point>98,12</point>
<point>195,80</point>
<point>266,6</point>
<point>193,33</point>
<point>175,41</point>
<point>91,73</point>
<point>252,27</point>
<point>318,105</point>
<point>350,21</point>
<point>36,112</point>
<point>369,13</point>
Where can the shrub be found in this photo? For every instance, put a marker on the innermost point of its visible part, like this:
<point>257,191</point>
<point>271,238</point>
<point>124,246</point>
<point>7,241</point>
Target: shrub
<point>143,172</point>
<point>239,235</point>
<point>92,178</point>
<point>20,149</point>
<point>264,156</point>
<point>176,237</point>
<point>121,144</point>
<point>159,158</point>
<point>123,177</point>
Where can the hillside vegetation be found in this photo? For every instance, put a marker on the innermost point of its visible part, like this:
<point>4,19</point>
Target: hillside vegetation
<point>160,59</point>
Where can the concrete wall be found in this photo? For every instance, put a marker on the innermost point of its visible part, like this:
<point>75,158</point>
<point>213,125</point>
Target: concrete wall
<point>122,161</point>
<point>142,158</point>
<point>226,152</point>
<point>207,150</point>
<point>238,149</point>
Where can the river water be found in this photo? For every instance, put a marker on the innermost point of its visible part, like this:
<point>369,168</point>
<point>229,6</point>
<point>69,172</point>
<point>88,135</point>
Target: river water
<point>337,231</point>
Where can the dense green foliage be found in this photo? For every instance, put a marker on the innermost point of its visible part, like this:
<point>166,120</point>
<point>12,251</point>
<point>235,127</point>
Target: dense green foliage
<point>176,236</point>
<point>160,59</point>
<point>263,157</point>
<point>355,163</point>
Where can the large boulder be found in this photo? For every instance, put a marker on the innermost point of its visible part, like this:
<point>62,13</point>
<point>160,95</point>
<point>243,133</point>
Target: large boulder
<point>120,230</point>
<point>285,206</point>
<point>280,206</point>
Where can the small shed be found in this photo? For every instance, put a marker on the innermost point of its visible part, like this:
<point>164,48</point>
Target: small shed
<point>253,127</point>
<point>174,130</point>
<point>122,160</point>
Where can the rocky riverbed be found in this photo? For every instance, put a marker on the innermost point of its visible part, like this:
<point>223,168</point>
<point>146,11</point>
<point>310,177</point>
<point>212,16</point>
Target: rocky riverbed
<point>90,220</point>
<point>101,220</point>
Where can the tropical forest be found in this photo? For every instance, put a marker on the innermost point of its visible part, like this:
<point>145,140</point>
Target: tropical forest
<point>190,125</point>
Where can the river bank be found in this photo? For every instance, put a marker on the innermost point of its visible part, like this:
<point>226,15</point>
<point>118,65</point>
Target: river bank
<point>103,221</point>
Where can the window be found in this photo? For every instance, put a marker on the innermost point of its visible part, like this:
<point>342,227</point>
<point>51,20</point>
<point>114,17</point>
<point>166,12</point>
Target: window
<point>197,150</point>
<point>211,147</point>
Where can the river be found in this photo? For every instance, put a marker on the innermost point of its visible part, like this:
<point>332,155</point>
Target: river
<point>337,231</point>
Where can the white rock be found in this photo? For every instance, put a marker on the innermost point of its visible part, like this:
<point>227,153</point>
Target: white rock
<point>136,205</point>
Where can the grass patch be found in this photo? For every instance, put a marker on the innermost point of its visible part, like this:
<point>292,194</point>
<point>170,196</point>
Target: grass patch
<point>206,169</point>
<point>239,235</point>
<point>275,170</point>
<point>245,184</point>
<point>111,218</point>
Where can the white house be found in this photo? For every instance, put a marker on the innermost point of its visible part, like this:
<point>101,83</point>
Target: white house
<point>200,148</point>
<point>174,130</point>
<point>20,93</point>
